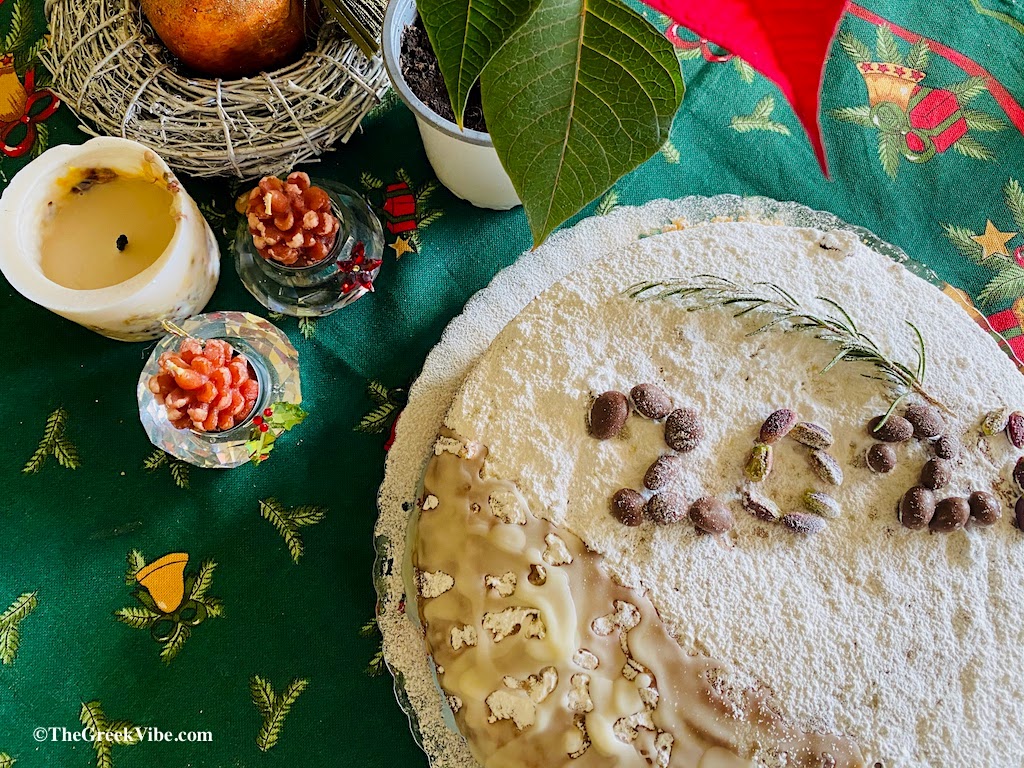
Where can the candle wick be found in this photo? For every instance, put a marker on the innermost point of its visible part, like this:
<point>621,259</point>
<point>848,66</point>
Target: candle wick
<point>122,242</point>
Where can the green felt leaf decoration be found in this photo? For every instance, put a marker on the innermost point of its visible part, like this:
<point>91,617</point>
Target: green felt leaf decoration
<point>465,35</point>
<point>582,93</point>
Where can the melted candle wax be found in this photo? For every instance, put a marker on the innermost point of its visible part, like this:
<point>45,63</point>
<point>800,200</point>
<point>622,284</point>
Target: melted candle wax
<point>106,231</point>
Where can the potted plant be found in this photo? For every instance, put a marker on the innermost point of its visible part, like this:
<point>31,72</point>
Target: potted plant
<point>574,95</point>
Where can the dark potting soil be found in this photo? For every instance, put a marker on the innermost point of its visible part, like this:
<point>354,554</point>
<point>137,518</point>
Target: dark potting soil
<point>421,72</point>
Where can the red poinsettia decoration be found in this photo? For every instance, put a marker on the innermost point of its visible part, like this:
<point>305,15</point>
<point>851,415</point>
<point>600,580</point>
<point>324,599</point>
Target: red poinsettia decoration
<point>359,270</point>
<point>785,40</point>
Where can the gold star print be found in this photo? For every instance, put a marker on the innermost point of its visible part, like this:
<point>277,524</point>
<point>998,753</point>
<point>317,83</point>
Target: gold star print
<point>401,247</point>
<point>993,241</point>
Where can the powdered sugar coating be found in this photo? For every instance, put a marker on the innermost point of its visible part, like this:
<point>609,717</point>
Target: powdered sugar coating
<point>910,642</point>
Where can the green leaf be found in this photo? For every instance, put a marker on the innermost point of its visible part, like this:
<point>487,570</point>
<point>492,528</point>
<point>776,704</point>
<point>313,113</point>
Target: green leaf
<point>136,616</point>
<point>584,92</point>
<point>21,33</point>
<point>963,239</point>
<point>854,48</point>
<point>607,203</point>
<point>969,89</point>
<point>52,433</point>
<point>370,628</point>
<point>982,121</point>
<point>362,21</point>
<point>745,124</point>
<point>286,416</point>
<point>136,562</point>
<point>746,72</point>
<point>175,643</point>
<point>465,35</point>
<point>919,55</point>
<point>180,473</point>
<point>376,420</point>
<point>155,460</point>
<point>886,47</point>
<point>42,141</point>
<point>685,54</point>
<point>272,510</point>
<point>759,119</point>
<point>369,181</point>
<point>9,641</point>
<point>262,695</point>
<point>203,580</point>
<point>307,515</point>
<point>859,115</point>
<point>377,392</point>
<point>670,153</point>
<point>764,107</point>
<point>128,728</point>
<point>972,148</point>
<point>65,453</point>
<point>92,717</point>
<point>22,606</point>
<point>1007,285</point>
<point>1015,202</point>
<point>6,761</point>
<point>889,153</point>
<point>307,327</point>
<point>272,724</point>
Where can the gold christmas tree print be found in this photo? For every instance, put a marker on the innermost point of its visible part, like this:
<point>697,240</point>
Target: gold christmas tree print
<point>10,631</point>
<point>273,707</point>
<point>913,121</point>
<point>998,246</point>
<point>172,603</point>
<point>54,443</point>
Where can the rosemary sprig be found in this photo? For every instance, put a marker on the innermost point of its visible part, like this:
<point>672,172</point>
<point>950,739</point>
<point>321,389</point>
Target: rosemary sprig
<point>838,327</point>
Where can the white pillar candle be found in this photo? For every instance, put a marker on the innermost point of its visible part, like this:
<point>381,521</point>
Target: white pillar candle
<point>103,234</point>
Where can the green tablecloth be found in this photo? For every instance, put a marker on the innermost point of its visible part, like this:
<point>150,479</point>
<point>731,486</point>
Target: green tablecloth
<point>935,171</point>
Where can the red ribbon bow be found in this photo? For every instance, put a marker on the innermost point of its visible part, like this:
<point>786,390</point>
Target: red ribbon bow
<point>39,106</point>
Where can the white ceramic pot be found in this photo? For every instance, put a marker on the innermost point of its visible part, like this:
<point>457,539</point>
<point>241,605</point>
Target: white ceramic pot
<point>464,161</point>
<point>175,286</point>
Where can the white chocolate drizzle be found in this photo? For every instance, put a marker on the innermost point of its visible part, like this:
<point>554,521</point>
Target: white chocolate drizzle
<point>558,665</point>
